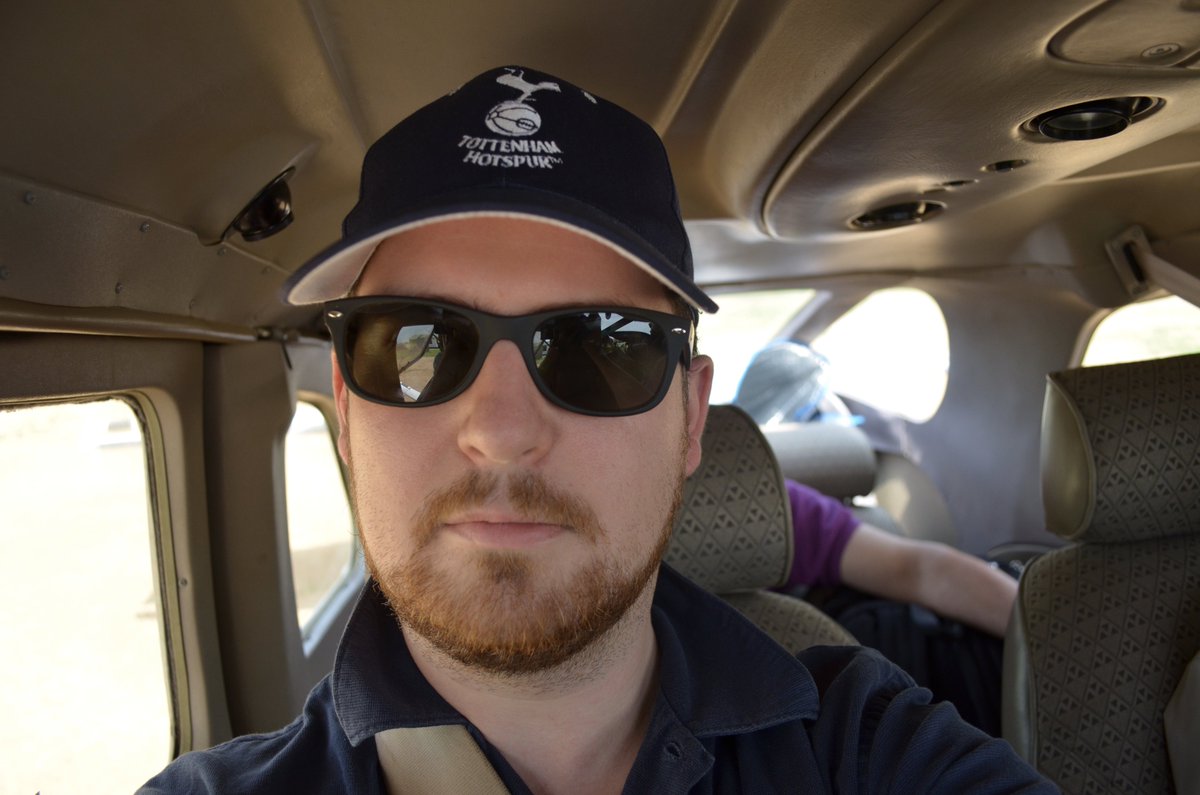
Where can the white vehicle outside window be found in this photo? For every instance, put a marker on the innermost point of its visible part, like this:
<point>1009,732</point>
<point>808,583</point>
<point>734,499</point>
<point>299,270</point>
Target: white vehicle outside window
<point>84,706</point>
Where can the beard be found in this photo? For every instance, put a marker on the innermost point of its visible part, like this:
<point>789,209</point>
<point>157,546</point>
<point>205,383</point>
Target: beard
<point>502,611</point>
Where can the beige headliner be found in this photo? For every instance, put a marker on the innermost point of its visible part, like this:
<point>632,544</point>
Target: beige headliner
<point>134,134</point>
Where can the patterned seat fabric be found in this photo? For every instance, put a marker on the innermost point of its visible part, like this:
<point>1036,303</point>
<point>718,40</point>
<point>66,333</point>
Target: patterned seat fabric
<point>733,533</point>
<point>1103,629</point>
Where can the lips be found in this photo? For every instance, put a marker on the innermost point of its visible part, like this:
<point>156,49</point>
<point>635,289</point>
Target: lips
<point>519,510</point>
<point>504,533</point>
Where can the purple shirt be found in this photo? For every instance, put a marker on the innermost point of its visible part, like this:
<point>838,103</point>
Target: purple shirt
<point>822,527</point>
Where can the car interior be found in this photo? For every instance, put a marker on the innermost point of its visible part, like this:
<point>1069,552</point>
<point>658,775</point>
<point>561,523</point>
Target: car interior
<point>951,203</point>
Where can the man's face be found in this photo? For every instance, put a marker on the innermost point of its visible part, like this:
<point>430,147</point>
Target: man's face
<point>506,531</point>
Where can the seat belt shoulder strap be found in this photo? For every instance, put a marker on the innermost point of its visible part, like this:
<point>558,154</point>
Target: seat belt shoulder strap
<point>435,760</point>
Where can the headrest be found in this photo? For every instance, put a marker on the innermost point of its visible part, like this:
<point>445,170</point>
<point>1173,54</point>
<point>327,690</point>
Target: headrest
<point>733,531</point>
<point>837,460</point>
<point>1120,451</point>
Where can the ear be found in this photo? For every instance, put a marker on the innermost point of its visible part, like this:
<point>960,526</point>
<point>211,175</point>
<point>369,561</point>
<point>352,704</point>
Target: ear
<point>700,377</point>
<point>341,400</point>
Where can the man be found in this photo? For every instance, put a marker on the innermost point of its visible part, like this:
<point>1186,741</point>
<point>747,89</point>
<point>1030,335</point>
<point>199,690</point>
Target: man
<point>833,548</point>
<point>884,575</point>
<point>789,382</point>
<point>519,406</point>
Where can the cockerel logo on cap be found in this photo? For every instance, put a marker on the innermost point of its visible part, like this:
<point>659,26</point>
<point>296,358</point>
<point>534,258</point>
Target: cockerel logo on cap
<point>516,117</point>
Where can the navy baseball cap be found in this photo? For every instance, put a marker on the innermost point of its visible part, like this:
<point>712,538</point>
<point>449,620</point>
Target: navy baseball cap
<point>515,142</point>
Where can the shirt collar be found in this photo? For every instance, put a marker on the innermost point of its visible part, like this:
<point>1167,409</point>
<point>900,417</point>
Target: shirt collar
<point>376,684</point>
<point>718,673</point>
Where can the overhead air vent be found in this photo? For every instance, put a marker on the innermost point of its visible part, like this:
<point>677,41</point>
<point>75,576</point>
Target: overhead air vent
<point>268,213</point>
<point>894,215</point>
<point>1087,121</point>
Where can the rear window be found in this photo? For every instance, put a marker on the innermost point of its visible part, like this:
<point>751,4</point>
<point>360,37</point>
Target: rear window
<point>747,322</point>
<point>891,351</point>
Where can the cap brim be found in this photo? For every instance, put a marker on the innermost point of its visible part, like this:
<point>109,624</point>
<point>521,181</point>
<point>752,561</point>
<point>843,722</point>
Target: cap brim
<point>332,273</point>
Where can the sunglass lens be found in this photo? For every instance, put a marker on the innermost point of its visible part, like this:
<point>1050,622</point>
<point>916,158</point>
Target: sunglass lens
<point>412,353</point>
<point>601,361</point>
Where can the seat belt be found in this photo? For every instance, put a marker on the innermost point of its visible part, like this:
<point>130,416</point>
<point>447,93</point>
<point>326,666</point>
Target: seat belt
<point>1181,720</point>
<point>435,760</point>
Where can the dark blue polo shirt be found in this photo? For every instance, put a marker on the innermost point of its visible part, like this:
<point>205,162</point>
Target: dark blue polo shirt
<point>735,713</point>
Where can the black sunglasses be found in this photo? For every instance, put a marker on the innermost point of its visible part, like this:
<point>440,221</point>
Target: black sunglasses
<point>600,361</point>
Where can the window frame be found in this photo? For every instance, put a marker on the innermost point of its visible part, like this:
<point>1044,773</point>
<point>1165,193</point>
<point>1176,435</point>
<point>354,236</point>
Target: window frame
<point>162,553</point>
<point>160,381</point>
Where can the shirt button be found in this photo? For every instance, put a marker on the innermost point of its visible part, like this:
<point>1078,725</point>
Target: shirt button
<point>674,751</point>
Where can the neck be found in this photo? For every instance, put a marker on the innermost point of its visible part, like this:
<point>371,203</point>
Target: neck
<point>576,728</point>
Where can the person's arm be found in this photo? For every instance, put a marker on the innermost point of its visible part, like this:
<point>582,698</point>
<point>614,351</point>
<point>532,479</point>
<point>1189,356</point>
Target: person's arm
<point>948,582</point>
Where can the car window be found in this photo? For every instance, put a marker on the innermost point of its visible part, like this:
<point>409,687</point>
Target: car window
<point>1147,330</point>
<point>320,528</point>
<point>84,706</point>
<point>746,322</point>
<point>890,351</point>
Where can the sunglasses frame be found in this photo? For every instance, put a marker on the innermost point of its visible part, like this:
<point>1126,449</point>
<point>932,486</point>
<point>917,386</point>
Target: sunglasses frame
<point>679,334</point>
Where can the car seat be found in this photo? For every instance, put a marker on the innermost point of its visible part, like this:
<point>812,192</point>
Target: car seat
<point>837,460</point>
<point>1103,629</point>
<point>733,533</point>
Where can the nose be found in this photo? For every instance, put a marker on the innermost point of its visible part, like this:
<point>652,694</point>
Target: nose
<point>506,420</point>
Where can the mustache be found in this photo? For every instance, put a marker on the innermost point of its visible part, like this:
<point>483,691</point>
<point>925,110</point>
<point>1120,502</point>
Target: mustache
<point>529,494</point>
